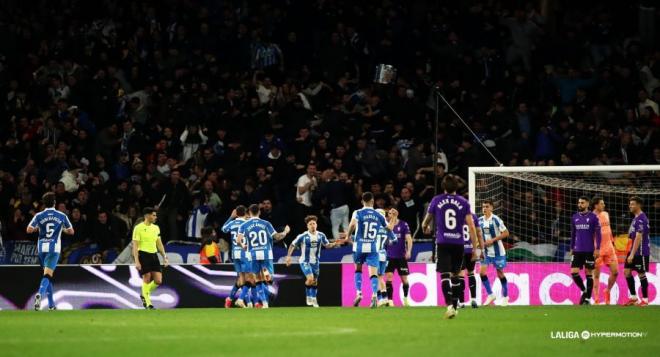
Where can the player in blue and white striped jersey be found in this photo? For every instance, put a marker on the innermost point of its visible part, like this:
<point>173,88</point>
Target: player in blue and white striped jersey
<point>385,238</point>
<point>310,244</point>
<point>50,224</point>
<point>493,231</point>
<point>241,258</point>
<point>366,223</point>
<point>258,235</point>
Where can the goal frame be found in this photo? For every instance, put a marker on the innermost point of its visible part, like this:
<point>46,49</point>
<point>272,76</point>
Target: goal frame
<point>474,170</point>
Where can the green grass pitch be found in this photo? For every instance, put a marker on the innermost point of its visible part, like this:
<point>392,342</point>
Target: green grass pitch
<point>511,331</point>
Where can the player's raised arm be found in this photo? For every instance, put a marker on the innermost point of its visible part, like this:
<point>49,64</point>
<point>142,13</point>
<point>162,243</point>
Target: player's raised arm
<point>227,226</point>
<point>281,235</point>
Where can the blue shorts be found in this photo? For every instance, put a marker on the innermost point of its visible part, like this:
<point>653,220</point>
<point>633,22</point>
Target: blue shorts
<point>372,259</point>
<point>498,262</point>
<point>49,260</point>
<point>382,267</point>
<point>310,269</point>
<point>242,266</point>
<point>260,265</point>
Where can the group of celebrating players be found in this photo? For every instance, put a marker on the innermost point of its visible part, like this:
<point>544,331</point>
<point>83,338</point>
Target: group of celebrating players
<point>382,242</point>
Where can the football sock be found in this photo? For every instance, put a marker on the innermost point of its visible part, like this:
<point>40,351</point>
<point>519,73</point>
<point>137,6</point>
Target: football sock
<point>244,292</point>
<point>505,287</point>
<point>645,286</point>
<point>486,284</point>
<point>473,286</point>
<point>358,282</point>
<point>254,293</point>
<point>374,284</point>
<point>49,293</point>
<point>578,281</point>
<point>152,286</point>
<point>461,287</point>
<point>390,289</point>
<point>590,286</point>
<point>406,289</point>
<point>233,291</point>
<point>45,281</point>
<point>631,285</point>
<point>446,288</point>
<point>456,292</point>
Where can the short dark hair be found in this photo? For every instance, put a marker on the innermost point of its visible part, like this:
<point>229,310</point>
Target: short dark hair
<point>637,200</point>
<point>595,200</point>
<point>207,231</point>
<point>49,199</point>
<point>367,197</point>
<point>240,210</point>
<point>148,210</point>
<point>583,197</point>
<point>488,201</point>
<point>449,184</point>
<point>254,209</point>
<point>311,218</point>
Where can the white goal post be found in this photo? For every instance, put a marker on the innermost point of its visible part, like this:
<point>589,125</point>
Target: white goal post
<point>534,201</point>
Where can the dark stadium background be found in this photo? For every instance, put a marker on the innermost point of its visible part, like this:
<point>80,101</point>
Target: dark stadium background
<point>96,94</point>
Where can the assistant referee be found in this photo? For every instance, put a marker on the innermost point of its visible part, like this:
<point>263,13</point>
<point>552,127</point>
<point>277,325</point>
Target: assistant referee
<point>146,242</point>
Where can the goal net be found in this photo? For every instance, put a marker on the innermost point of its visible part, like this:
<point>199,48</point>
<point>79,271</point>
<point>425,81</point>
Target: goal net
<point>536,205</point>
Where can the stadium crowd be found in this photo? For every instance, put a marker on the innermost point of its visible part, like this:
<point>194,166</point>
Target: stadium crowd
<point>197,106</point>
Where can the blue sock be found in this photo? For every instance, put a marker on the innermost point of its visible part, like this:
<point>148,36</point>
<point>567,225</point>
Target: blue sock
<point>505,287</point>
<point>43,286</point>
<point>244,292</point>
<point>374,284</point>
<point>254,289</point>
<point>261,291</point>
<point>379,295</point>
<point>314,290</point>
<point>49,293</point>
<point>233,291</point>
<point>358,282</point>
<point>486,284</point>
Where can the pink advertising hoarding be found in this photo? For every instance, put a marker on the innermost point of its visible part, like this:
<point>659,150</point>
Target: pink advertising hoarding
<point>529,284</point>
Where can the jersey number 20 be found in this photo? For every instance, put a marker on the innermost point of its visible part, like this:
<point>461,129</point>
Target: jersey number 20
<point>261,236</point>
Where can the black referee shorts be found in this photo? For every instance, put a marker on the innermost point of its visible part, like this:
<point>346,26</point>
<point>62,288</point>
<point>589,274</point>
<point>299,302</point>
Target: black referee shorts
<point>398,264</point>
<point>149,263</point>
<point>449,258</point>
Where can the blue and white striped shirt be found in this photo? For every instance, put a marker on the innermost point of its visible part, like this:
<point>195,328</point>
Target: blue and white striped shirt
<point>310,246</point>
<point>385,238</point>
<point>369,222</point>
<point>50,223</point>
<point>231,227</point>
<point>490,228</point>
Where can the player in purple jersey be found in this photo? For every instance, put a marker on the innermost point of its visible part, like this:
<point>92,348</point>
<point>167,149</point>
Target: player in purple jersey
<point>585,234</point>
<point>638,258</point>
<point>398,255</point>
<point>450,212</point>
<point>50,224</point>
<point>469,264</point>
